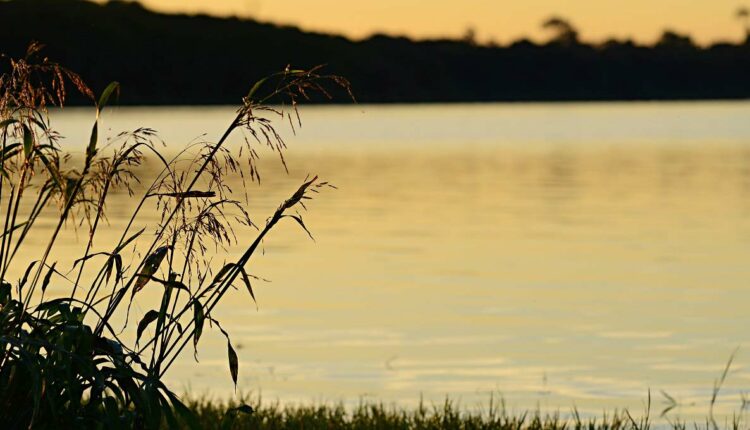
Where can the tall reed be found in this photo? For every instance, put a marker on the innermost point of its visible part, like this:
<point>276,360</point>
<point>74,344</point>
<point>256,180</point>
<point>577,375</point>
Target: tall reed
<point>62,363</point>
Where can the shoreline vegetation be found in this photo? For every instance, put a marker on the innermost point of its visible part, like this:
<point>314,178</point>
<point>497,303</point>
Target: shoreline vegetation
<point>663,414</point>
<point>64,359</point>
<point>446,415</point>
<point>158,59</point>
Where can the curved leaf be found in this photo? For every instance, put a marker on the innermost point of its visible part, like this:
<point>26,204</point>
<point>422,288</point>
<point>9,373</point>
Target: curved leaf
<point>128,240</point>
<point>219,276</point>
<point>199,319</point>
<point>150,266</point>
<point>256,87</point>
<point>113,87</point>
<point>48,276</point>
<point>28,142</point>
<point>7,122</point>
<point>150,317</point>
<point>301,223</point>
<point>233,363</point>
<point>91,149</point>
<point>10,150</point>
<point>246,279</point>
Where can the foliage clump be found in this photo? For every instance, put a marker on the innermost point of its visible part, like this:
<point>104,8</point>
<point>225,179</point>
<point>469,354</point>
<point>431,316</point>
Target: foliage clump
<point>62,363</point>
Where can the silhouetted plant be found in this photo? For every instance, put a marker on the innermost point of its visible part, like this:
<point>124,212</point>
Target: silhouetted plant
<point>62,362</point>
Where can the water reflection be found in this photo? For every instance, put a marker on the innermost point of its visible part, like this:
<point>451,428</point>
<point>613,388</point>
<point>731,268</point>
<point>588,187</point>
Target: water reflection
<point>565,254</point>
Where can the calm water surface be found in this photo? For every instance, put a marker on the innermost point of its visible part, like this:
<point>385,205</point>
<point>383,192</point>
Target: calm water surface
<point>555,254</point>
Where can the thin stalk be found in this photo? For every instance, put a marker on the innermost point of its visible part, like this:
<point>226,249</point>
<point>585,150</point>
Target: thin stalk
<point>97,285</point>
<point>39,205</point>
<point>28,164</point>
<point>92,232</point>
<point>168,286</point>
<point>53,239</point>
<point>100,212</point>
<point>2,188</point>
<point>12,223</point>
<point>116,301</point>
<point>154,367</point>
<point>173,327</point>
<point>220,290</point>
<point>5,228</point>
<point>93,291</point>
<point>280,89</point>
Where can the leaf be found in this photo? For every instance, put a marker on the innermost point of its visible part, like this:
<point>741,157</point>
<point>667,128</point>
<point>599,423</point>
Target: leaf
<point>10,150</point>
<point>150,317</point>
<point>113,347</point>
<point>669,398</point>
<point>150,266</point>
<point>88,257</point>
<point>5,292</point>
<point>199,319</point>
<point>177,285</point>
<point>168,415</point>
<point>10,154</point>
<point>222,272</point>
<point>667,410</point>
<point>152,410</point>
<point>256,87</point>
<point>52,169</point>
<point>184,412</point>
<point>91,149</point>
<point>190,194</point>
<point>118,267</point>
<point>302,224</point>
<point>245,409</point>
<point>231,415</point>
<point>246,279</point>
<point>113,87</point>
<point>14,228</point>
<point>27,273</point>
<point>108,269</point>
<point>48,276</point>
<point>233,363</point>
<point>7,122</point>
<point>130,239</point>
<point>28,142</point>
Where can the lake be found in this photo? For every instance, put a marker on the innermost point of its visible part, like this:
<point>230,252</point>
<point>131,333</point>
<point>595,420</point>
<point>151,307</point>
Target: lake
<point>556,255</point>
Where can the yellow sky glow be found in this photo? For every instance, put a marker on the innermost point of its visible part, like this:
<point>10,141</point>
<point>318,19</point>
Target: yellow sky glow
<point>497,20</point>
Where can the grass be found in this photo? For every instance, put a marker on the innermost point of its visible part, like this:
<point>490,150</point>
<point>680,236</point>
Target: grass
<point>213,414</point>
<point>446,415</point>
<point>63,363</point>
<point>449,414</point>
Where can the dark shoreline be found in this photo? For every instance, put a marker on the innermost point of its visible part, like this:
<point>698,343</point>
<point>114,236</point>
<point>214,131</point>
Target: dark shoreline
<point>162,59</point>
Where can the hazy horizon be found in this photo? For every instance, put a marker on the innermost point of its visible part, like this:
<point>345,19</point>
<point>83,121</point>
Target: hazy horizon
<point>499,22</point>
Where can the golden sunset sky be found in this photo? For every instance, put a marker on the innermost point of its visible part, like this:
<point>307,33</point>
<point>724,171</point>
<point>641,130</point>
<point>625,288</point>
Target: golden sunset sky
<point>498,20</point>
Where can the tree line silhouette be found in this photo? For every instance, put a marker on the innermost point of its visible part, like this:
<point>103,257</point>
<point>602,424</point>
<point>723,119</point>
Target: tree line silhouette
<point>182,59</point>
